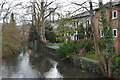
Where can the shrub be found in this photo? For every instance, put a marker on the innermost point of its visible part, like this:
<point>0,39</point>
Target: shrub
<point>101,43</point>
<point>87,44</point>
<point>69,49</point>
<point>116,66</point>
<point>10,39</point>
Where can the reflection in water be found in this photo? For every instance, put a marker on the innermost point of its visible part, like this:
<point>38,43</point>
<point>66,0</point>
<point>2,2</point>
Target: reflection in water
<point>24,69</point>
<point>53,72</point>
<point>41,66</point>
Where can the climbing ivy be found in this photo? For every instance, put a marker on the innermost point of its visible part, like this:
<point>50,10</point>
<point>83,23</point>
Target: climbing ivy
<point>108,39</point>
<point>107,30</point>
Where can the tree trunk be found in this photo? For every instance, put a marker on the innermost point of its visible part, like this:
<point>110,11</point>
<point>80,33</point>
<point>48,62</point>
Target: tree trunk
<point>44,35</point>
<point>107,28</point>
<point>95,37</point>
<point>106,65</point>
<point>110,60</point>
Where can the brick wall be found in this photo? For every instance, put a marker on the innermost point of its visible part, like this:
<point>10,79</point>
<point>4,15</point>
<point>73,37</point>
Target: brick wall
<point>115,25</point>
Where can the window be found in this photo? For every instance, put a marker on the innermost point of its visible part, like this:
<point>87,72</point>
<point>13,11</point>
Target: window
<point>88,23</point>
<point>114,14</point>
<point>75,37</point>
<point>101,33</point>
<point>115,32</point>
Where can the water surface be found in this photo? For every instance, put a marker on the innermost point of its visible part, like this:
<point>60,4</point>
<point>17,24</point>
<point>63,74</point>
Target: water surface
<point>40,66</point>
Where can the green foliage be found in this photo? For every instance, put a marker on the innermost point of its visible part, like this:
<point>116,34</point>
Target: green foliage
<point>81,32</point>
<point>33,36</point>
<point>70,49</point>
<point>89,31</point>
<point>117,61</point>
<point>65,29</point>
<point>101,42</point>
<point>116,66</point>
<point>50,34</point>
<point>87,45</point>
<point>54,44</point>
<point>107,39</point>
<point>91,56</point>
<point>64,33</point>
<point>107,30</point>
<point>61,39</point>
<point>10,38</point>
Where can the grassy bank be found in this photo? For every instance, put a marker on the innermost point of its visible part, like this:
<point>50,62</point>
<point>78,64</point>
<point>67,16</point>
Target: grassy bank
<point>91,56</point>
<point>54,44</point>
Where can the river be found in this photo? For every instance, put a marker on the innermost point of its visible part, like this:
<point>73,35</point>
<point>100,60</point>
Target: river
<point>41,66</point>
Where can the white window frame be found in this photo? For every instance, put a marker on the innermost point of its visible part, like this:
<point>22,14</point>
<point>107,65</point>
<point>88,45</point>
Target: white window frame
<point>113,14</point>
<point>75,37</point>
<point>87,22</point>
<point>116,32</point>
<point>101,33</point>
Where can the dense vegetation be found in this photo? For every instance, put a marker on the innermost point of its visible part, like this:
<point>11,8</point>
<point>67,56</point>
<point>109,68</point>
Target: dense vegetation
<point>10,39</point>
<point>33,37</point>
<point>50,34</point>
<point>75,48</point>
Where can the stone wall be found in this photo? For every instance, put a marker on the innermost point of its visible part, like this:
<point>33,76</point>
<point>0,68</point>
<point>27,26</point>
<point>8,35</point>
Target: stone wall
<point>88,64</point>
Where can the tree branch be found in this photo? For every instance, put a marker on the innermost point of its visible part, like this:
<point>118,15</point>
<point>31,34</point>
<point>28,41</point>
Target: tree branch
<point>81,6</point>
<point>51,12</point>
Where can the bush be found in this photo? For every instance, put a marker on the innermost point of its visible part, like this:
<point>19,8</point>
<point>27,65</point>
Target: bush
<point>70,49</point>
<point>101,43</point>
<point>116,67</point>
<point>10,39</point>
<point>87,44</point>
<point>66,49</point>
<point>50,34</point>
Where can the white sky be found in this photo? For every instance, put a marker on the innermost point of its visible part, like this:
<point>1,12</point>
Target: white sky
<point>65,3</point>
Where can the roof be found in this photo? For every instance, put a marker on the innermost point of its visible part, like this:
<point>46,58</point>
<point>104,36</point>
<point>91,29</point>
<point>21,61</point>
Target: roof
<point>81,15</point>
<point>86,13</point>
<point>113,4</point>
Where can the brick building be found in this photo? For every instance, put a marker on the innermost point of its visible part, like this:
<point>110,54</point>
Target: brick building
<point>85,20</point>
<point>115,23</point>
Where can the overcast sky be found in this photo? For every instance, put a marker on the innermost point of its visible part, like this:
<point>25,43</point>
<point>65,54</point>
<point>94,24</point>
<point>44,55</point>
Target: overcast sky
<point>66,5</point>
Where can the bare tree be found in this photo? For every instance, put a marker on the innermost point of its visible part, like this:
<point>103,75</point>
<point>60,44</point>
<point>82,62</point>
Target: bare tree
<point>95,37</point>
<point>5,11</point>
<point>106,65</point>
<point>41,11</point>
